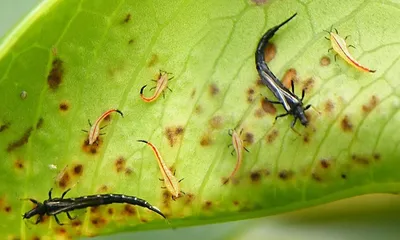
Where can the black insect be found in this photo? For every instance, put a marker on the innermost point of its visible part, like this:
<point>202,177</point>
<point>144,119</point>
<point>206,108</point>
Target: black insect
<point>292,104</point>
<point>54,206</point>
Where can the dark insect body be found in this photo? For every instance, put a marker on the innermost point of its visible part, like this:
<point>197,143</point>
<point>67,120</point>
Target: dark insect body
<point>292,104</point>
<point>54,206</point>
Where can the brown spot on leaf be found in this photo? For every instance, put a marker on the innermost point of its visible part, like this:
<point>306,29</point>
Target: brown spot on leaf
<point>4,126</point>
<point>206,140</point>
<point>259,2</point>
<point>189,198</point>
<point>64,106</point>
<point>128,171</point>
<point>286,174</point>
<point>250,95</point>
<point>173,134</point>
<point>78,169</point>
<point>76,223</point>
<point>268,107</point>
<point>110,211</point>
<point>236,202</point>
<point>39,123</point>
<point>376,156</point>
<point>55,76</point>
<point>373,102</point>
<point>167,197</point>
<point>316,177</point>
<point>153,60</point>
<point>130,41</point>
<point>325,61</point>
<point>214,90</point>
<point>120,164</point>
<point>128,210</point>
<point>249,138</point>
<point>103,189</point>
<point>343,175</point>
<point>64,180</point>
<point>290,75</point>
<point>91,149</point>
<point>7,209</point>
<point>306,137</point>
<point>207,205</point>
<point>98,221</point>
<point>19,164</point>
<point>20,142</point>
<point>127,18</point>
<point>35,238</point>
<point>198,109</point>
<point>259,113</point>
<point>270,50</point>
<point>144,220</point>
<point>255,176</point>
<point>193,93</point>
<point>346,124</point>
<point>272,136</point>
<point>325,163</point>
<point>360,159</point>
<point>61,230</point>
<point>259,83</point>
<point>94,209</point>
<point>216,122</point>
<point>329,106</point>
<point>308,84</point>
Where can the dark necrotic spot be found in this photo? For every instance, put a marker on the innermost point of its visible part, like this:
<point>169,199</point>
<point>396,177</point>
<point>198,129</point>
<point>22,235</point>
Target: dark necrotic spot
<point>346,125</point>
<point>268,107</point>
<point>76,223</point>
<point>316,177</point>
<point>325,163</point>
<point>55,76</point>
<point>64,180</point>
<point>120,164</point>
<point>110,211</point>
<point>64,106</point>
<point>306,138</point>
<point>198,109</point>
<point>130,41</point>
<point>360,159</point>
<point>216,122</point>
<point>94,209</point>
<point>286,174</point>
<point>308,84</point>
<point>78,169</point>
<point>173,134</point>
<point>127,18</point>
<point>193,93</point>
<point>255,176</point>
<point>325,61</point>
<point>236,202</point>
<point>270,51</point>
<point>250,95</point>
<point>35,238</point>
<point>20,142</point>
<point>290,75</point>
<point>189,198</point>
<point>343,175</point>
<point>103,189</point>
<point>249,138</point>
<point>128,210</point>
<point>329,106</point>
<point>128,171</point>
<point>207,205</point>
<point>4,126</point>
<point>19,164</point>
<point>39,123</point>
<point>373,102</point>
<point>205,140</point>
<point>7,209</point>
<point>98,221</point>
<point>272,136</point>
<point>91,149</point>
<point>61,231</point>
<point>214,90</point>
<point>144,220</point>
<point>259,83</point>
<point>376,156</point>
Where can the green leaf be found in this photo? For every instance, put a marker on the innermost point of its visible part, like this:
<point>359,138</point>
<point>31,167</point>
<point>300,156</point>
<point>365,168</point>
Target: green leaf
<point>75,59</point>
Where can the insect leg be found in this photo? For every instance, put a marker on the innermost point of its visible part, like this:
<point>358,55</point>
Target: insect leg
<point>351,46</point>
<point>230,131</point>
<point>307,107</point>
<point>62,196</point>
<point>83,130</point>
<point>335,57</point>
<point>303,92</point>
<point>183,192</point>
<point>39,219</point>
<point>330,49</point>
<point>90,124</point>
<point>273,102</point>
<point>169,89</point>
<point>103,127</point>
<point>69,216</point>
<point>232,152</point>
<point>281,115</point>
<point>181,180</point>
<point>51,189</point>
<point>152,88</point>
<point>163,94</point>
<point>292,84</point>
<point>336,31</point>
<point>162,180</point>
<point>346,37</point>
<point>327,37</point>
<point>246,150</point>
<point>58,221</point>
<point>230,145</point>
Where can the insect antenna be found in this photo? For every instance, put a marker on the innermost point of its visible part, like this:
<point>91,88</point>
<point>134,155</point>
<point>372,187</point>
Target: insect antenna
<point>181,180</point>
<point>352,46</point>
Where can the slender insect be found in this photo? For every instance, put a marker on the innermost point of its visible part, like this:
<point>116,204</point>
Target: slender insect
<point>237,144</point>
<point>54,206</point>
<point>162,84</point>
<point>94,131</point>
<point>292,104</point>
<point>340,47</point>
<point>170,181</point>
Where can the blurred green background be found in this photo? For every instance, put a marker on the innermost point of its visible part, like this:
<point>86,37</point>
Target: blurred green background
<point>374,216</point>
